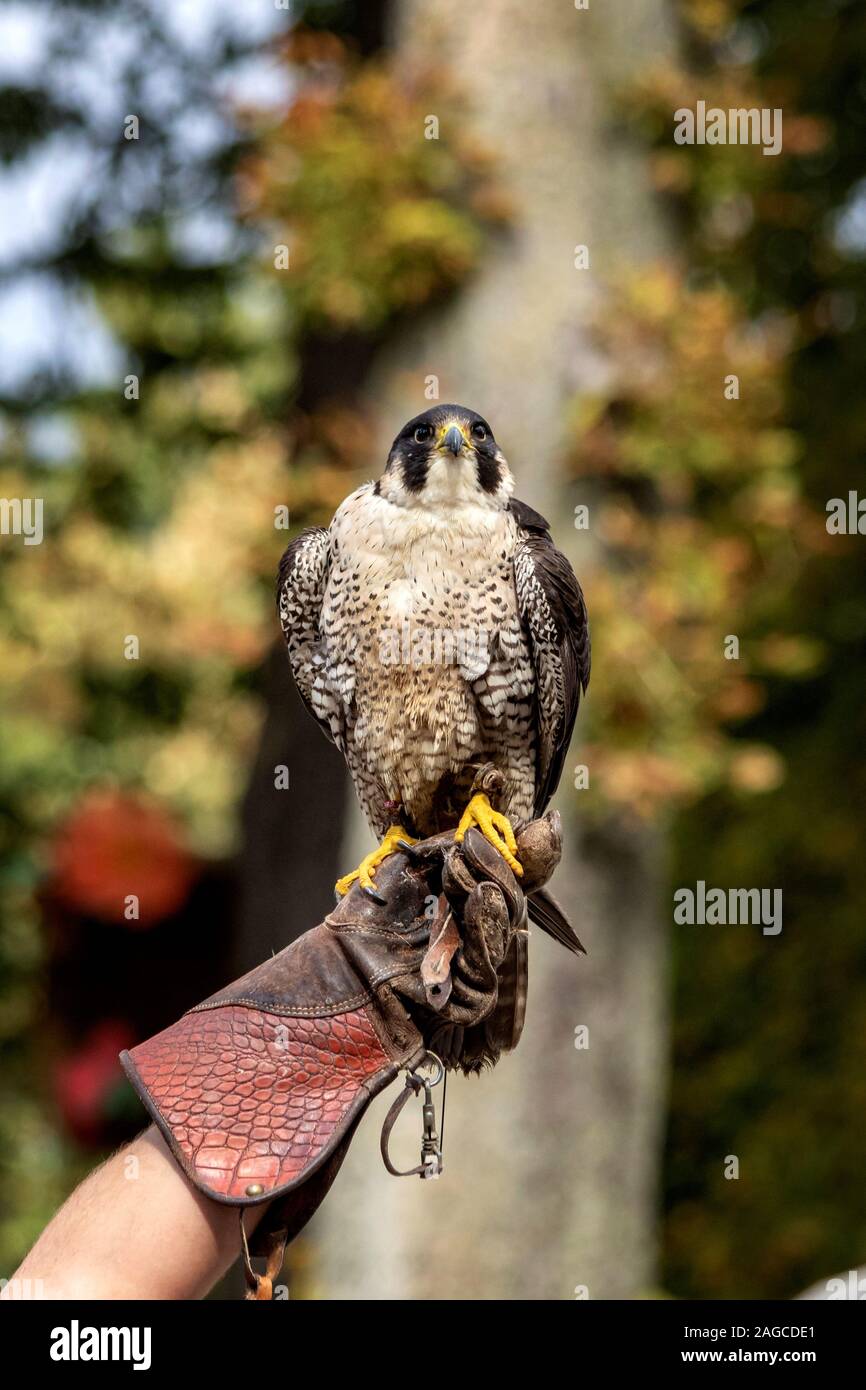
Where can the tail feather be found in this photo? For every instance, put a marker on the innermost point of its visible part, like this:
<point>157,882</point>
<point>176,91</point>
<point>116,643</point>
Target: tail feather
<point>546,913</point>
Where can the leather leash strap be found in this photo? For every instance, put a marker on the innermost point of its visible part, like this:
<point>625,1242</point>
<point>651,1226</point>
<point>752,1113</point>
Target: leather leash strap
<point>431,1147</point>
<point>261,1286</point>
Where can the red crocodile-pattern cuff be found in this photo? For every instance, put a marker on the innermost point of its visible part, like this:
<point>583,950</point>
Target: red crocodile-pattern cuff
<point>249,1099</point>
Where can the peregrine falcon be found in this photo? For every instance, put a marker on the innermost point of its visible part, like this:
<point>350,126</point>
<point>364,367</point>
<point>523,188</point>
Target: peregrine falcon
<point>433,630</point>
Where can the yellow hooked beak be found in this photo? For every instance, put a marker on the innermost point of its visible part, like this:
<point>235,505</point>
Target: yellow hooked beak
<point>452,437</point>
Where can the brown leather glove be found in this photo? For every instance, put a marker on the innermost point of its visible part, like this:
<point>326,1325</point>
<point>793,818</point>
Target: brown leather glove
<point>258,1090</point>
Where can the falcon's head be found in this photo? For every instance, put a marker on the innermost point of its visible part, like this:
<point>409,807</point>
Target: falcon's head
<point>444,457</point>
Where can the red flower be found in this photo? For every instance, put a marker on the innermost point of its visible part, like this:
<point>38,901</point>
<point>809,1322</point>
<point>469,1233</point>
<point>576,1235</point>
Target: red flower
<point>121,859</point>
<point>84,1080</point>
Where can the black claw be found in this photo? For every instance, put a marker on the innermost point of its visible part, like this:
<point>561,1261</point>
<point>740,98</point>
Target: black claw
<point>411,851</point>
<point>375,897</point>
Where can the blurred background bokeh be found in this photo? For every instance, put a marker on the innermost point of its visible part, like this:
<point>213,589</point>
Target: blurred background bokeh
<point>240,246</point>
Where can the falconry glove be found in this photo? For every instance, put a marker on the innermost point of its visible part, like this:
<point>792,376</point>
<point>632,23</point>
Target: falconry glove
<point>259,1089</point>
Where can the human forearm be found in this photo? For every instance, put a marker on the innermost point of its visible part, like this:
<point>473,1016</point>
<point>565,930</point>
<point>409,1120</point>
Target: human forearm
<point>135,1228</point>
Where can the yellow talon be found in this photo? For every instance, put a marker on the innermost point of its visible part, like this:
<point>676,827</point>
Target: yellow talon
<point>479,812</point>
<point>364,871</point>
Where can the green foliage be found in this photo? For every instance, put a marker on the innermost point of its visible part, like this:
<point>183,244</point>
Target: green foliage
<point>378,219</point>
<point>699,510</point>
<point>768,1032</point>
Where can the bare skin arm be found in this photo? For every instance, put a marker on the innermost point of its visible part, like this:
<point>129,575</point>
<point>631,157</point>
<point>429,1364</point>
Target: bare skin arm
<point>135,1228</point>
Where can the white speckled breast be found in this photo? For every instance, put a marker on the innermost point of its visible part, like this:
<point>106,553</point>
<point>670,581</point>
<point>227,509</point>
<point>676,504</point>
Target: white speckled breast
<point>424,647</point>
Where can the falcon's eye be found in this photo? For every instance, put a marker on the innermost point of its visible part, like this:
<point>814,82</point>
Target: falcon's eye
<point>479,432</point>
<point>423,432</point>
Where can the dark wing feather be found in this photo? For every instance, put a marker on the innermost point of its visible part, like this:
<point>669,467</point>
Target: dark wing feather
<point>503,1027</point>
<point>546,913</point>
<point>301,582</point>
<point>554,613</point>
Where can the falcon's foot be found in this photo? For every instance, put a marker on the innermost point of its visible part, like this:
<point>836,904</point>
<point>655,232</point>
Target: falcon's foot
<point>394,836</point>
<point>479,812</point>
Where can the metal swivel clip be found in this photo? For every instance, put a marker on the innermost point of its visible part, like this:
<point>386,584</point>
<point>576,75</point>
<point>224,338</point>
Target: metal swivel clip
<point>431,1142</point>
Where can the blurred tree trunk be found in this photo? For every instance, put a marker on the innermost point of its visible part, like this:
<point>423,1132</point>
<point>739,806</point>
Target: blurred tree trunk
<point>552,1161</point>
<point>291,837</point>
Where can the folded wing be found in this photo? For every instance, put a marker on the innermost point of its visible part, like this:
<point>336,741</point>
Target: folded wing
<point>553,610</point>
